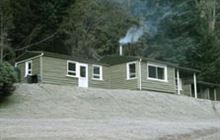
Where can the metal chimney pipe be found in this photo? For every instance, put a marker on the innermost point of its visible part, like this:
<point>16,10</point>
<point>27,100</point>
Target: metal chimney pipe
<point>120,50</point>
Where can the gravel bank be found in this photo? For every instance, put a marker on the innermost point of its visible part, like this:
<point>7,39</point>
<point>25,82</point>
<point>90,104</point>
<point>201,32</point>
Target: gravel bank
<point>41,111</point>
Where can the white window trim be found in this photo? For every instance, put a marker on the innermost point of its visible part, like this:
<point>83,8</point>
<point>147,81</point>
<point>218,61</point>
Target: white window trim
<point>157,66</point>
<point>100,75</point>
<point>76,71</point>
<point>26,68</point>
<point>128,70</point>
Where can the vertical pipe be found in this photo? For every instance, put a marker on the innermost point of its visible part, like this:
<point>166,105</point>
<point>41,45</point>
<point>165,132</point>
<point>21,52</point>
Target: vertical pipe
<point>195,85</point>
<point>41,67</point>
<point>209,94</point>
<point>178,81</point>
<point>215,94</point>
<point>120,50</point>
<point>140,75</point>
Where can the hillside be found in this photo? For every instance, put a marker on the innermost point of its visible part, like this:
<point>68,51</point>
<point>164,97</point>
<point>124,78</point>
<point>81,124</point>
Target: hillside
<point>63,112</point>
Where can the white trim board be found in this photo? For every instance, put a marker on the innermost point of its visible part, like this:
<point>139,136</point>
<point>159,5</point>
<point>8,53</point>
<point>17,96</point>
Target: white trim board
<point>100,74</point>
<point>128,70</point>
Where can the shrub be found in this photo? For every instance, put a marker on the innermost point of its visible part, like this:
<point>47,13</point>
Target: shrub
<point>7,79</point>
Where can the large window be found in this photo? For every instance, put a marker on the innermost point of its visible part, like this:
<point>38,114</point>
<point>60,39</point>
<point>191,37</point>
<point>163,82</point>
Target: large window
<point>157,72</point>
<point>131,70</point>
<point>97,72</point>
<point>28,68</point>
<point>71,68</point>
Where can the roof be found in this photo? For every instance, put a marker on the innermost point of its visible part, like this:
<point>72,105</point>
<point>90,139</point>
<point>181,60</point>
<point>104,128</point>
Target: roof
<point>106,60</point>
<point>30,54</point>
<point>208,84</point>
<point>116,59</point>
<point>27,55</point>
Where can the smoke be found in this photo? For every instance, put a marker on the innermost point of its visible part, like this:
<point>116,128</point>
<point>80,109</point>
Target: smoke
<point>151,15</point>
<point>133,35</point>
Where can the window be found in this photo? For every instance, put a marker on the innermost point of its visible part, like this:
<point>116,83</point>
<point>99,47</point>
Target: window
<point>131,70</point>
<point>82,71</point>
<point>28,68</point>
<point>157,72</point>
<point>71,68</point>
<point>97,72</point>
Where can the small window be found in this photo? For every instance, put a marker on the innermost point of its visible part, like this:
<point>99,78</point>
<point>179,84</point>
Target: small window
<point>97,72</point>
<point>157,72</point>
<point>131,70</point>
<point>82,71</point>
<point>71,68</point>
<point>28,68</point>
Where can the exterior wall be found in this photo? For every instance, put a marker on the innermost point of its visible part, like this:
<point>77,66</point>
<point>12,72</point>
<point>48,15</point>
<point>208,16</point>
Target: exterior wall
<point>203,93</point>
<point>105,83</point>
<point>55,70</point>
<point>218,93</point>
<point>35,68</point>
<point>118,77</point>
<point>154,85</point>
<point>211,94</point>
<point>186,90</point>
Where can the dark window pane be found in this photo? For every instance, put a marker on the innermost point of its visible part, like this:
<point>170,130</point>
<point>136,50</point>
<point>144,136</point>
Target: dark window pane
<point>29,65</point>
<point>132,70</point>
<point>72,73</point>
<point>82,71</point>
<point>160,72</point>
<point>96,70</point>
<point>96,76</point>
<point>29,72</point>
<point>72,66</point>
<point>152,72</point>
<point>132,75</point>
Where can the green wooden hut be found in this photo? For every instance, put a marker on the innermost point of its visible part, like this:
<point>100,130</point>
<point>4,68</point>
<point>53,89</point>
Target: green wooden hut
<point>110,72</point>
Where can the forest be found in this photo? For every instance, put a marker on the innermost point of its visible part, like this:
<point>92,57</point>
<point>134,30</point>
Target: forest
<point>186,32</point>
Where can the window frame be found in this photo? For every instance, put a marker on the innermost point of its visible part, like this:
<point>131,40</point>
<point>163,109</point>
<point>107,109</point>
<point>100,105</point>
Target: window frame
<point>100,73</point>
<point>157,66</point>
<point>27,70</point>
<point>76,69</point>
<point>128,70</point>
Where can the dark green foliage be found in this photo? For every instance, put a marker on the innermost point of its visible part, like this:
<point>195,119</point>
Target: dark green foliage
<point>8,77</point>
<point>94,27</point>
<point>36,20</point>
<point>182,31</point>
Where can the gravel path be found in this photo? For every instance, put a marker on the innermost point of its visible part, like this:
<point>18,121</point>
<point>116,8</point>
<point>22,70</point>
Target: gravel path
<point>49,112</point>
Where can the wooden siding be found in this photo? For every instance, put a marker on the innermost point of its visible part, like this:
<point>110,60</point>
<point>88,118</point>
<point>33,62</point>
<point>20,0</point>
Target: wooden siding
<point>203,93</point>
<point>186,90</point>
<point>118,75</point>
<point>35,68</point>
<point>154,85</point>
<point>55,70</point>
<point>105,83</point>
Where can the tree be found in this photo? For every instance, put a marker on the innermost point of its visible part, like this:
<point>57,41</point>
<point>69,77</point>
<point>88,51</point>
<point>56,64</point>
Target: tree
<point>8,76</point>
<point>5,26</point>
<point>36,20</point>
<point>95,27</point>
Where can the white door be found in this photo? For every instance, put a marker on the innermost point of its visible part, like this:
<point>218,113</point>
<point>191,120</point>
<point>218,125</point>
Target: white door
<point>83,75</point>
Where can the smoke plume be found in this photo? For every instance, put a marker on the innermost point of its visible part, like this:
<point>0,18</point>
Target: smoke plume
<point>151,15</point>
<point>133,35</point>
